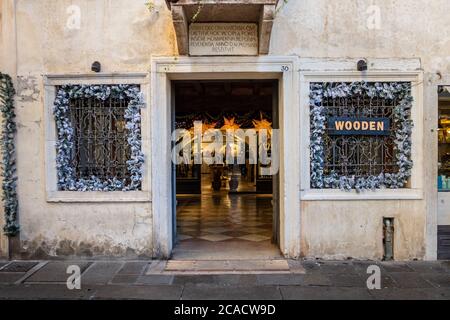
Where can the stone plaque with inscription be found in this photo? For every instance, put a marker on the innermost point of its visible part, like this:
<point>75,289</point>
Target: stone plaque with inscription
<point>223,39</point>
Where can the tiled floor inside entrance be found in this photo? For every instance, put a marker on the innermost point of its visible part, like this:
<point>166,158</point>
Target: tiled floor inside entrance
<point>219,225</point>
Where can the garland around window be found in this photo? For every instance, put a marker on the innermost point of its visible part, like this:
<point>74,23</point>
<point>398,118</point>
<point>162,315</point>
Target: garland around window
<point>10,202</point>
<point>64,145</point>
<point>402,125</point>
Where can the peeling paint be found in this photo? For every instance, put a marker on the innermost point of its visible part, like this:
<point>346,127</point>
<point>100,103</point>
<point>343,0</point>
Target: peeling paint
<point>67,249</point>
<point>27,89</point>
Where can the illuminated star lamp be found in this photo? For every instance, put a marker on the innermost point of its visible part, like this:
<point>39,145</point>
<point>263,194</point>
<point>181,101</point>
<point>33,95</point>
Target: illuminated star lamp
<point>205,127</point>
<point>229,124</point>
<point>263,124</point>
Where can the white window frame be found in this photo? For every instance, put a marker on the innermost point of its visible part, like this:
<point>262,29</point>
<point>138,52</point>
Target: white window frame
<point>435,200</point>
<point>283,68</point>
<point>414,191</point>
<point>52,192</point>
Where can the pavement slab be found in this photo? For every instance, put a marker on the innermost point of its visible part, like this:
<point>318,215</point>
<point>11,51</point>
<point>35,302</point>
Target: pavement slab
<point>19,266</point>
<point>446,265</point>
<point>411,294</point>
<point>133,267</point>
<point>439,280</point>
<point>336,267</point>
<point>308,265</point>
<point>125,279</point>
<point>45,292</point>
<point>280,279</point>
<point>410,280</point>
<point>56,271</point>
<point>195,292</point>
<point>304,280</point>
<point>396,267</point>
<point>156,267</point>
<point>138,292</point>
<point>427,267</point>
<point>362,266</point>
<point>296,266</point>
<point>324,293</point>
<point>348,280</point>
<point>10,277</point>
<point>225,280</point>
<point>155,280</point>
<point>388,282</point>
<point>101,272</point>
<point>317,280</point>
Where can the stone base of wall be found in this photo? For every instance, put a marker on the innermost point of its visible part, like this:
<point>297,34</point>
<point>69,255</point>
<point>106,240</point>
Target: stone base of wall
<point>40,249</point>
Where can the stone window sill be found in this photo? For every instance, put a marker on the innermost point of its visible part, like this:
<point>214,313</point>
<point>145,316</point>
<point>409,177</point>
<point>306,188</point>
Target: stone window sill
<point>96,196</point>
<point>382,194</point>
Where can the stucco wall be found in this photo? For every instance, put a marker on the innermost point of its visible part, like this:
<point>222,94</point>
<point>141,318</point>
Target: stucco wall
<point>123,34</point>
<point>342,229</point>
<point>337,29</point>
<point>120,34</point>
<point>323,28</point>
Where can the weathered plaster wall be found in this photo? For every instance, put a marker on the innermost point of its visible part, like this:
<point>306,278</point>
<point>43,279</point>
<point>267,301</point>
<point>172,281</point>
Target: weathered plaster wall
<point>123,35</point>
<point>120,34</point>
<point>323,28</point>
<point>343,229</point>
<point>338,29</point>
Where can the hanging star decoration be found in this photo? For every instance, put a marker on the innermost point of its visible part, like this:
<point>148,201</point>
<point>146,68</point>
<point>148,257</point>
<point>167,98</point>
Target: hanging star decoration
<point>205,127</point>
<point>263,124</point>
<point>229,124</point>
<point>208,126</point>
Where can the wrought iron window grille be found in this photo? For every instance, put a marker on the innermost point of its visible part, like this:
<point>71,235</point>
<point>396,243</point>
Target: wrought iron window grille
<point>100,138</point>
<point>360,155</point>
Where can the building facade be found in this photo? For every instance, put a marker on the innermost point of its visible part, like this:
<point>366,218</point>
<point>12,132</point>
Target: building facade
<point>307,47</point>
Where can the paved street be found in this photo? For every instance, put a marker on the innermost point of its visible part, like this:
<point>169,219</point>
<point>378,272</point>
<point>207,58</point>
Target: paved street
<point>158,280</point>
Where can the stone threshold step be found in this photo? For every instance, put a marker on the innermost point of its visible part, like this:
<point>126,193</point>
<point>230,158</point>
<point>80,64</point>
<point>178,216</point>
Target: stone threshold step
<point>196,267</point>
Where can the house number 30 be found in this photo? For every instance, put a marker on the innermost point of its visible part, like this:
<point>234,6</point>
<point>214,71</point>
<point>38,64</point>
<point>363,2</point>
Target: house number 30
<point>285,68</point>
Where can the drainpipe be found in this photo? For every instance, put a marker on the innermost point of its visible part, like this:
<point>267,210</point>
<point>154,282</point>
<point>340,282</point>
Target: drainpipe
<point>388,239</point>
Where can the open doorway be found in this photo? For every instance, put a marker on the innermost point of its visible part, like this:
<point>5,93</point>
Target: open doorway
<point>230,210</point>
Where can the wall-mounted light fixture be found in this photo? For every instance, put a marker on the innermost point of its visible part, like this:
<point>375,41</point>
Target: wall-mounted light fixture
<point>362,65</point>
<point>96,66</point>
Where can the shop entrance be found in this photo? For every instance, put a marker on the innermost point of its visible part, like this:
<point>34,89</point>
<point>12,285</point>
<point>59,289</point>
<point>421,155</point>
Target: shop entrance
<point>443,241</point>
<point>224,210</point>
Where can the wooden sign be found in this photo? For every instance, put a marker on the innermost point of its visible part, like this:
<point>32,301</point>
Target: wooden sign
<point>223,39</point>
<point>359,126</point>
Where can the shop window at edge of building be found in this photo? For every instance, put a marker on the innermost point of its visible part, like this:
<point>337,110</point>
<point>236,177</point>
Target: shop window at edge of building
<point>444,140</point>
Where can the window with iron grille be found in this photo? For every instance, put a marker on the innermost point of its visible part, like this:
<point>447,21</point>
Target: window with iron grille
<point>100,138</point>
<point>360,135</point>
<point>99,145</point>
<point>359,155</point>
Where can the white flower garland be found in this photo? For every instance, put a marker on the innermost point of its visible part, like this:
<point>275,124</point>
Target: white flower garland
<point>403,129</point>
<point>65,132</point>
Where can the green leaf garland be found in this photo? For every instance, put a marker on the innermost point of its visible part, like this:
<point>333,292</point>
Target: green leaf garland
<point>9,185</point>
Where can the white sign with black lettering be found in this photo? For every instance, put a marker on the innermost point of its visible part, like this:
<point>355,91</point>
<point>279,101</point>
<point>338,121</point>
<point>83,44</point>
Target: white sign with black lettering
<point>223,39</point>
